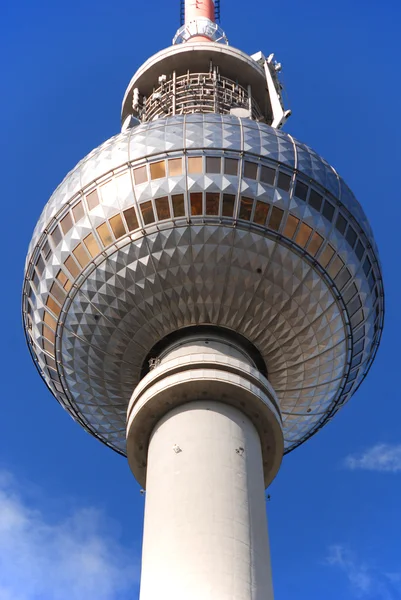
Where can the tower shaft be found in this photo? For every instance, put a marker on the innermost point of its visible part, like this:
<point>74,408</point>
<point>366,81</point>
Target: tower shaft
<point>209,441</point>
<point>205,532</point>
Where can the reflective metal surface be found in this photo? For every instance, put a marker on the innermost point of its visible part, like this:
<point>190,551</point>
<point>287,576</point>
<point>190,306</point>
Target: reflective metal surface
<point>103,284</point>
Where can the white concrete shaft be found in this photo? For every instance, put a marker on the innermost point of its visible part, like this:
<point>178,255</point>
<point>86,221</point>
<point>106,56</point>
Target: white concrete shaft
<point>205,532</point>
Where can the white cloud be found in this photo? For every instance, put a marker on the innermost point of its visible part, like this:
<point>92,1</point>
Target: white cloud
<point>366,581</point>
<point>382,457</point>
<point>76,558</point>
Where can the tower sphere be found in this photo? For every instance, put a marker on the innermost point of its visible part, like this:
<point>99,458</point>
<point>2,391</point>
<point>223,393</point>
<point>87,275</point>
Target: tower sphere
<point>193,220</point>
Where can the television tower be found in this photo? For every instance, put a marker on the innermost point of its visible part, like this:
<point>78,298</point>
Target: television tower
<point>202,294</point>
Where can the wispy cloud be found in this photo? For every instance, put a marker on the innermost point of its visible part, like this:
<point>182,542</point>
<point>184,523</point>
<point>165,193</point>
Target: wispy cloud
<point>365,580</point>
<point>382,457</point>
<point>76,558</point>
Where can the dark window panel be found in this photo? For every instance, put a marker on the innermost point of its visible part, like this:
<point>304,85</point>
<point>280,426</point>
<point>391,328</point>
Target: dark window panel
<point>342,279</point>
<point>46,249</point>
<point>267,175</point>
<point>56,236</point>
<point>357,319</point>
<point>212,203</point>
<point>261,211</point>
<point>162,208</point>
<point>40,265</point>
<point>354,305</point>
<point>147,212</point>
<point>328,210</point>
<point>315,200</point>
<point>178,205</point>
<point>245,210</point>
<point>58,293</point>
<point>359,250</point>
<point>283,181</point>
<point>351,236</point>
<point>367,266</point>
<point>231,166</point>
<point>358,347</point>
<point>196,204</point>
<point>301,190</point>
<point>371,281</point>
<point>359,334</point>
<point>350,293</point>
<point>228,205</point>
<point>250,170</point>
<point>213,164</point>
<point>276,216</point>
<point>131,219</point>
<point>341,223</point>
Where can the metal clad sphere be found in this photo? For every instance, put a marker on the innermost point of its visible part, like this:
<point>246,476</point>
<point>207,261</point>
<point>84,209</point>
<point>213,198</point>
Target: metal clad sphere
<point>202,219</point>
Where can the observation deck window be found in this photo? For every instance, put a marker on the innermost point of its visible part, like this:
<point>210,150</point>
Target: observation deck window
<point>267,175</point>
<point>231,166</point>
<point>326,255</point>
<point>92,200</point>
<point>117,225</point>
<point>66,223</point>
<point>91,245</point>
<point>290,226</point>
<point>283,181</point>
<point>72,267</point>
<point>228,205</point>
<point>315,200</point>
<point>359,250</point>
<point>140,175</point>
<point>49,320</point>
<point>53,306</point>
<point>261,212</point>
<point>148,215</point>
<point>57,292</point>
<point>175,167</point>
<point>56,236</point>
<point>328,210</point>
<point>315,243</point>
<point>301,190</point>
<point>162,208</point>
<point>196,204</point>
<point>250,170</point>
<point>246,208</point>
<point>178,205</point>
<point>350,293</point>
<point>104,234</point>
<point>131,219</point>
<point>213,164</point>
<point>341,223</point>
<point>81,255</point>
<point>78,212</point>
<point>276,217</point>
<point>342,279</point>
<point>158,169</point>
<point>40,265</point>
<point>63,280</point>
<point>351,236</point>
<point>195,165</point>
<point>212,203</point>
<point>303,235</point>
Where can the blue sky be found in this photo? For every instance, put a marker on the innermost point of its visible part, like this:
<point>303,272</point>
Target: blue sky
<point>70,512</point>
